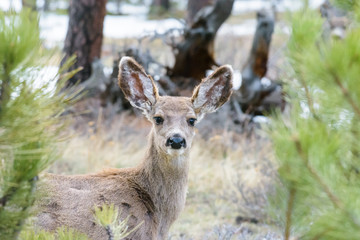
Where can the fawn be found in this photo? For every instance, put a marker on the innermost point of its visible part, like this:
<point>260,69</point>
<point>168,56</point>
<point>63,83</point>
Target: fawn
<point>154,192</point>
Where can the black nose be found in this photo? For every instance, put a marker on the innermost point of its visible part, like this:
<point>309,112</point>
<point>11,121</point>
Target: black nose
<point>176,142</point>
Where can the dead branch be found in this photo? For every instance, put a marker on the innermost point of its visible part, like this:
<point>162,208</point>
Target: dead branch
<point>195,54</point>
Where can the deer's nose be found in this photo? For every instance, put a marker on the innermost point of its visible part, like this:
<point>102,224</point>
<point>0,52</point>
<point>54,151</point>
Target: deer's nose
<point>176,142</point>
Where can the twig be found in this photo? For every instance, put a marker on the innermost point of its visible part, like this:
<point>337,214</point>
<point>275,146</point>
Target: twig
<point>346,94</point>
<point>163,36</point>
<point>4,88</point>
<point>309,99</point>
<point>238,110</point>
<point>109,233</point>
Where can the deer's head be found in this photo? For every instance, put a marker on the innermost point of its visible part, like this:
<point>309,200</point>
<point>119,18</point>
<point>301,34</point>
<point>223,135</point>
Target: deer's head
<point>173,118</point>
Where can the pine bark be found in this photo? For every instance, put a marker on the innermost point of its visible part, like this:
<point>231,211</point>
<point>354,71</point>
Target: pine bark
<point>84,36</point>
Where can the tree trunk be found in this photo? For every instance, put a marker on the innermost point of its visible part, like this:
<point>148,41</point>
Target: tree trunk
<point>46,5</point>
<point>84,35</point>
<point>193,7</point>
<point>195,54</point>
<point>118,5</point>
<point>29,4</point>
<point>159,6</point>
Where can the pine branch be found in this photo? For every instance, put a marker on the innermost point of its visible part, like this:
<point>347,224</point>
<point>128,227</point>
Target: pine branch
<point>322,234</point>
<point>4,89</point>
<point>355,132</point>
<point>12,191</point>
<point>7,196</point>
<point>333,198</point>
<point>346,93</point>
<point>289,210</point>
<point>26,207</point>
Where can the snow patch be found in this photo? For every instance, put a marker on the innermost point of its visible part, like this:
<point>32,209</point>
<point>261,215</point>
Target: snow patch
<point>7,5</point>
<point>125,8</point>
<point>237,80</point>
<point>53,28</point>
<point>244,29</point>
<point>46,76</point>
<point>242,6</point>
<point>136,26</point>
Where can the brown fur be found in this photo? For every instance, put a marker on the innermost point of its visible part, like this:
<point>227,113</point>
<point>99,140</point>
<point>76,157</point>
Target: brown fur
<point>153,192</point>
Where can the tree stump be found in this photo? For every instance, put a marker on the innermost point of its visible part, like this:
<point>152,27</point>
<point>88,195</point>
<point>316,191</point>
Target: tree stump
<point>194,55</point>
<point>253,91</point>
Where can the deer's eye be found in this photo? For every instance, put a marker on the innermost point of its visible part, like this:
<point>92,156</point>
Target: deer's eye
<point>192,121</point>
<point>158,120</point>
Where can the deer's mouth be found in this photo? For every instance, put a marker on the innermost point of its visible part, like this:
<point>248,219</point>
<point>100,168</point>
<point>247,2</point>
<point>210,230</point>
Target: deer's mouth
<point>175,152</point>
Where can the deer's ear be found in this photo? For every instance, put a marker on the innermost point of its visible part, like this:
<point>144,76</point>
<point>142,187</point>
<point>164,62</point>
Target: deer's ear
<point>213,91</point>
<point>138,87</point>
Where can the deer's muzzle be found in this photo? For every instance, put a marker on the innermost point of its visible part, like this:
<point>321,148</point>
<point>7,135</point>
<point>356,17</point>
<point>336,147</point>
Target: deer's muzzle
<point>176,142</point>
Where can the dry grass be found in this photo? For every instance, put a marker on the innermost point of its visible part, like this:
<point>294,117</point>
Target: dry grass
<point>229,174</point>
<point>95,146</point>
<point>225,184</point>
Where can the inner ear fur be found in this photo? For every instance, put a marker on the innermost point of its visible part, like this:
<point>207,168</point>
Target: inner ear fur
<point>138,87</point>
<point>214,90</point>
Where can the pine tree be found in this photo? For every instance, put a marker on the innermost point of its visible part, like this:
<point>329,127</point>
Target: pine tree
<point>30,123</point>
<point>317,145</point>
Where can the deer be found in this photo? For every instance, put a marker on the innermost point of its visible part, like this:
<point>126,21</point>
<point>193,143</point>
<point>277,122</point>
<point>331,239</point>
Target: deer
<point>154,192</point>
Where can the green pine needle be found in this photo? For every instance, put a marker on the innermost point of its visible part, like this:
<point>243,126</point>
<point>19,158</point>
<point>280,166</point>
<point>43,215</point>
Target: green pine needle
<point>317,146</point>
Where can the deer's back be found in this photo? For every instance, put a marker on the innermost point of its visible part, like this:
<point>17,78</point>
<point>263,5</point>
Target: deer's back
<point>70,201</point>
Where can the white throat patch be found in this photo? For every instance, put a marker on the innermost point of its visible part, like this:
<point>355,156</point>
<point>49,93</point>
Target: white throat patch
<point>177,157</point>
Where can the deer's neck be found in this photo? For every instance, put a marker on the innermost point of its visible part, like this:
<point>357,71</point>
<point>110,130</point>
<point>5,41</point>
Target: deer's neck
<point>165,179</point>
